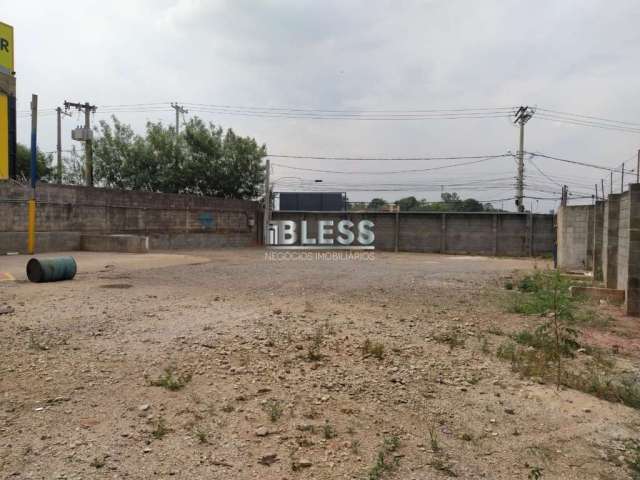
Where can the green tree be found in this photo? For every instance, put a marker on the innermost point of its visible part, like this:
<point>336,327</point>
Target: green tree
<point>408,204</point>
<point>377,204</point>
<point>23,163</point>
<point>201,160</point>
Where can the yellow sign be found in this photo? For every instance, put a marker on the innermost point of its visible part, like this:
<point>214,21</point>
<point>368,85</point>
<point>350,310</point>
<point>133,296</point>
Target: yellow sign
<point>6,49</point>
<point>4,137</point>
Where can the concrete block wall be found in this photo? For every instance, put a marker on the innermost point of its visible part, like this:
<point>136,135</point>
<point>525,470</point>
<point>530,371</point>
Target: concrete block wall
<point>610,241</point>
<point>598,228</point>
<point>615,242</point>
<point>508,234</point>
<point>574,233</point>
<point>632,298</point>
<point>623,240</point>
<point>66,212</point>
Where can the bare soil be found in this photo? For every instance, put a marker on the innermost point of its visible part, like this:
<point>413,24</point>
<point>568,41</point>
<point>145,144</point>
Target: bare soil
<point>271,380</point>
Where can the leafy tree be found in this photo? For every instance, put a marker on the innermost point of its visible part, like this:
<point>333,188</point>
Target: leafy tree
<point>408,204</point>
<point>23,163</point>
<point>450,197</point>
<point>356,206</point>
<point>451,202</point>
<point>201,160</point>
<point>377,203</point>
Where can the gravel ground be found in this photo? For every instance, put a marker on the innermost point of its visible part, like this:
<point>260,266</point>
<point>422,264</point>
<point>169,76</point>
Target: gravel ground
<point>269,379</point>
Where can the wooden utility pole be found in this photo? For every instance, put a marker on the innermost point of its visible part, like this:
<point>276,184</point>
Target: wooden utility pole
<point>522,116</point>
<point>638,168</point>
<point>179,109</point>
<point>86,137</point>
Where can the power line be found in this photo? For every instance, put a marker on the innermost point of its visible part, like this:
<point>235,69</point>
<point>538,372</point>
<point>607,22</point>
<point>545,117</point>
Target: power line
<point>576,162</point>
<point>386,159</point>
<point>583,123</point>
<point>589,117</point>
<point>441,167</point>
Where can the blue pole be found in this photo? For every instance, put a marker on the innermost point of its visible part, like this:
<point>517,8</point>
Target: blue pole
<point>34,140</point>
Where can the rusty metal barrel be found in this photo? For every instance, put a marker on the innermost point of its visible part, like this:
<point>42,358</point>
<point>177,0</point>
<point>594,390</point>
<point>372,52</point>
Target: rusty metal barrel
<point>51,269</point>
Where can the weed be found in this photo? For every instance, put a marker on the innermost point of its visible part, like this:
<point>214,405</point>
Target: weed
<point>467,437</point>
<point>274,409</point>
<point>442,466</point>
<point>535,473</point>
<point>305,442</point>
<point>624,388</point>
<point>328,431</point>
<point>201,435</point>
<point>391,444</point>
<point>633,463</point>
<point>495,330</point>
<point>507,351</point>
<point>547,294</point>
<point>313,353</point>
<point>227,408</point>
<point>530,283</point>
<point>307,428</point>
<point>451,338</point>
<point>508,285</point>
<point>382,465</point>
<point>171,380</point>
<point>374,349</point>
<point>354,446</point>
<point>37,344</point>
<point>433,438</point>
<point>484,345</point>
<point>329,329</point>
<point>97,462</point>
<point>160,429</point>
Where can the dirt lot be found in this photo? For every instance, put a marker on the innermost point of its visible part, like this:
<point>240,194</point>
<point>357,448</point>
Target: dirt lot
<point>269,379</point>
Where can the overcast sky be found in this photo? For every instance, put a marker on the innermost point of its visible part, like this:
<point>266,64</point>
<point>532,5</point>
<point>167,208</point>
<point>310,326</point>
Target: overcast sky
<point>573,56</point>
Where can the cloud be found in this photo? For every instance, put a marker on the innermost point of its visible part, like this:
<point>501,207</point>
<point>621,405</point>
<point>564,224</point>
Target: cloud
<point>572,56</point>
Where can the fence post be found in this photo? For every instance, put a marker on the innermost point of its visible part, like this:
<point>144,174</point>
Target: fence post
<point>495,234</point>
<point>397,230</point>
<point>443,234</point>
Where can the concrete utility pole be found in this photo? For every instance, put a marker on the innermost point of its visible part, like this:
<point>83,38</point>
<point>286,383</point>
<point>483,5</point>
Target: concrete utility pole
<point>31,204</point>
<point>59,143</point>
<point>179,109</point>
<point>267,204</point>
<point>522,116</point>
<point>86,137</point>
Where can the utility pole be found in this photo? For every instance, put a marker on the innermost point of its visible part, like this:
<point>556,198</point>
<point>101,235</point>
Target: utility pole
<point>31,204</point>
<point>179,109</point>
<point>638,168</point>
<point>86,137</point>
<point>522,116</point>
<point>267,204</point>
<point>59,143</point>
<point>622,178</point>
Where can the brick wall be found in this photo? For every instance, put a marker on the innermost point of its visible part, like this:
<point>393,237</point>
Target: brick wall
<point>65,212</point>
<point>509,234</point>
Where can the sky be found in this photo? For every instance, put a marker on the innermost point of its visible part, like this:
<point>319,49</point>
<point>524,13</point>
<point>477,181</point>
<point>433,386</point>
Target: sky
<point>339,63</point>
